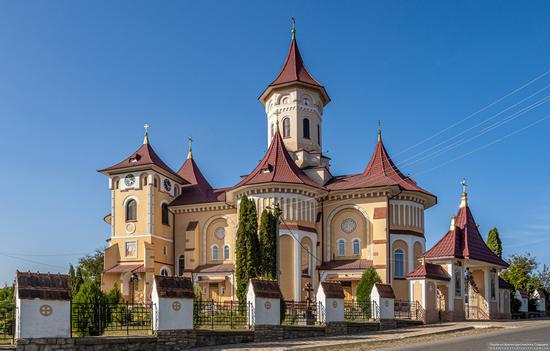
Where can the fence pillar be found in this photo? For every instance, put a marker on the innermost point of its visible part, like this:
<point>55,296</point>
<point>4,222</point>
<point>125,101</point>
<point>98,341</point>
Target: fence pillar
<point>43,303</point>
<point>172,303</point>
<point>383,296</point>
<point>331,297</point>
<point>264,302</point>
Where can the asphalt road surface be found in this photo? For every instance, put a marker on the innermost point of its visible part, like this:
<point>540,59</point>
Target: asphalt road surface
<point>482,342</point>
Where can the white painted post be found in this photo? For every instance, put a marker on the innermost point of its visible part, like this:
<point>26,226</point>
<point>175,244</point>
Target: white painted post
<point>43,304</point>
<point>264,302</point>
<point>172,303</point>
<point>384,297</point>
<point>331,297</point>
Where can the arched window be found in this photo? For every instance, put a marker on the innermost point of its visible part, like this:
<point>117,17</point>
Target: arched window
<point>226,252</point>
<point>356,247</point>
<point>131,210</point>
<point>399,263</point>
<point>181,264</point>
<point>165,214</point>
<point>305,125</point>
<point>164,272</point>
<point>215,252</point>
<point>286,127</point>
<point>341,247</point>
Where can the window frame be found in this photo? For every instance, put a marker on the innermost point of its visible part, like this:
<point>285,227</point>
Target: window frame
<point>217,251</point>
<point>226,252</point>
<point>286,127</point>
<point>131,212</point>
<point>343,251</point>
<point>181,264</point>
<point>358,242</point>
<point>402,266</point>
<point>165,214</point>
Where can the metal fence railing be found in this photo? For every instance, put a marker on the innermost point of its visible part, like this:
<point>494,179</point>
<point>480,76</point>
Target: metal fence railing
<point>221,314</point>
<point>88,319</point>
<point>407,309</point>
<point>355,311</point>
<point>7,324</point>
<point>301,313</point>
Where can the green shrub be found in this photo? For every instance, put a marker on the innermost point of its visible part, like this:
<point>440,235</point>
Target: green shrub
<point>364,287</point>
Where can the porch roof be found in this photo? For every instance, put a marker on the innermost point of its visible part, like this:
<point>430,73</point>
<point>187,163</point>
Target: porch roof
<point>345,265</point>
<point>429,271</point>
<point>125,268</point>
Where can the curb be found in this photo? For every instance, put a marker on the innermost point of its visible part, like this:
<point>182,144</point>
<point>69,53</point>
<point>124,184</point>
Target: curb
<point>359,343</point>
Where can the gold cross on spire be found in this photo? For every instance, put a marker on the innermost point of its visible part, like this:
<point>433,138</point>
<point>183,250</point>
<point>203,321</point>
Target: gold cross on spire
<point>277,114</point>
<point>464,185</point>
<point>293,27</point>
<point>146,136</point>
<point>379,131</point>
<point>464,197</point>
<point>190,152</point>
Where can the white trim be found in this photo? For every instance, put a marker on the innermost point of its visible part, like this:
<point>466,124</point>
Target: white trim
<point>229,247</point>
<point>328,225</point>
<point>131,236</point>
<point>395,265</point>
<point>167,269</point>
<point>128,198</point>
<point>205,233</point>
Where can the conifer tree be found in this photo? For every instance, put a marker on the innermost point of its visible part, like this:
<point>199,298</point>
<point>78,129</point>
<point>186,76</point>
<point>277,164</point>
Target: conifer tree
<point>268,237</point>
<point>247,247</point>
<point>364,287</point>
<point>494,243</point>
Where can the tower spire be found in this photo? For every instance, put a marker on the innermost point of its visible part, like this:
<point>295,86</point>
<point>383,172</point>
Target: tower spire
<point>293,27</point>
<point>379,132</point>
<point>464,197</point>
<point>146,136</point>
<point>190,152</point>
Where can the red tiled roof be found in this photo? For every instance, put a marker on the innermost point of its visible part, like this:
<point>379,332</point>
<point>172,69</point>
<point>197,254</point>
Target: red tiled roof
<point>44,286</point>
<point>464,241</point>
<point>144,156</point>
<point>174,287</point>
<point>333,290</point>
<point>294,68</point>
<point>215,268</point>
<point>429,271</point>
<point>266,288</point>
<point>380,171</point>
<point>198,190</point>
<point>277,166</point>
<point>123,268</point>
<point>345,265</point>
<point>385,291</point>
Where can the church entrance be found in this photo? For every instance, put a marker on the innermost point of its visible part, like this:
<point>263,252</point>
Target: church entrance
<point>214,292</point>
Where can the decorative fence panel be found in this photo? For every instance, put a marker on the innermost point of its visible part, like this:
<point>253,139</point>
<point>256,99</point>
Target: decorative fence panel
<point>7,323</point>
<point>355,311</point>
<point>221,315</point>
<point>88,319</point>
<point>407,309</point>
<point>301,313</point>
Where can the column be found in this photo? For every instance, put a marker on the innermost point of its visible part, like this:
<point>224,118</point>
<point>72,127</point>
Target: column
<point>297,268</point>
<point>487,284</point>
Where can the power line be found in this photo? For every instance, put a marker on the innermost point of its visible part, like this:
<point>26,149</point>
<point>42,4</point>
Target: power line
<point>476,112</point>
<point>33,261</point>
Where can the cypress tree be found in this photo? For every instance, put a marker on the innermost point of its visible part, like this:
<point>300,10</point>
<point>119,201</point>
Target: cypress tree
<point>364,287</point>
<point>494,243</point>
<point>268,235</point>
<point>247,247</point>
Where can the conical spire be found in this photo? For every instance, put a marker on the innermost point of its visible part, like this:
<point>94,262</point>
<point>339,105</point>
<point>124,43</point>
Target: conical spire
<point>146,136</point>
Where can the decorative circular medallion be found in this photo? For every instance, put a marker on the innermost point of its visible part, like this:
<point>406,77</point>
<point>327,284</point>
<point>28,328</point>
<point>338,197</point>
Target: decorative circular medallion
<point>334,304</point>
<point>167,185</point>
<point>348,225</point>
<point>219,233</point>
<point>129,180</point>
<point>46,310</point>
<point>267,305</point>
<point>130,228</point>
<point>176,305</point>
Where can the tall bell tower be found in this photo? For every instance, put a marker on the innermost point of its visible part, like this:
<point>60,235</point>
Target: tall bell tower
<point>296,101</point>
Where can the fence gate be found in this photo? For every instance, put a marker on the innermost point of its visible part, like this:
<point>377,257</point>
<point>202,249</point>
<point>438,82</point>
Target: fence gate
<point>7,324</point>
<point>221,314</point>
<point>301,312</point>
<point>89,319</point>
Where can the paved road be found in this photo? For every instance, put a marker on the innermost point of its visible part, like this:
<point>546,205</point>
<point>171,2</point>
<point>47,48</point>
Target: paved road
<point>480,342</point>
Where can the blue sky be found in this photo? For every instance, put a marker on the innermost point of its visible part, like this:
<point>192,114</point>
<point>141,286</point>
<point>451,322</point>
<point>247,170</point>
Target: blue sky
<point>79,80</point>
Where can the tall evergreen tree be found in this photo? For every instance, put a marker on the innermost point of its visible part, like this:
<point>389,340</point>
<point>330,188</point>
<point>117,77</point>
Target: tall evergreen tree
<point>247,247</point>
<point>268,237</point>
<point>364,287</point>
<point>494,243</point>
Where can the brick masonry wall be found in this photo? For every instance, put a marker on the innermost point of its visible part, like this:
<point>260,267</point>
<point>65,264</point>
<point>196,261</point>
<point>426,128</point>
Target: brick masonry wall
<point>296,332</point>
<point>336,328</point>
<point>361,327</point>
<point>268,333</point>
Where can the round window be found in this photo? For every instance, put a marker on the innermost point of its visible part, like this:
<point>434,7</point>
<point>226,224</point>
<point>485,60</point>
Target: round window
<point>219,233</point>
<point>348,225</point>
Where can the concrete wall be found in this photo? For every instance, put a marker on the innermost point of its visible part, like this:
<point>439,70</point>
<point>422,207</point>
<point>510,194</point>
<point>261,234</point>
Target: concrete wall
<point>31,323</point>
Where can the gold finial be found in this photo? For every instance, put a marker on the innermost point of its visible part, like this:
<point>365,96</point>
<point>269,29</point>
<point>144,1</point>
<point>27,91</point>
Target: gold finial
<point>293,27</point>
<point>190,152</point>
<point>379,132</point>
<point>464,197</point>
<point>277,114</point>
<point>146,136</point>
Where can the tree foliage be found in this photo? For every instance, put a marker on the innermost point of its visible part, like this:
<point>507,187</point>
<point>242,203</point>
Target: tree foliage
<point>92,265</point>
<point>364,287</point>
<point>88,302</point>
<point>247,247</point>
<point>268,242</point>
<point>494,243</point>
<point>522,272</point>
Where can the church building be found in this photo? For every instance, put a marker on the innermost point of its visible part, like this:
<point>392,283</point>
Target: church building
<point>332,227</point>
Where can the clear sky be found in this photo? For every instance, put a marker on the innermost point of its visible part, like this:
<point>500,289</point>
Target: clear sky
<point>79,79</point>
